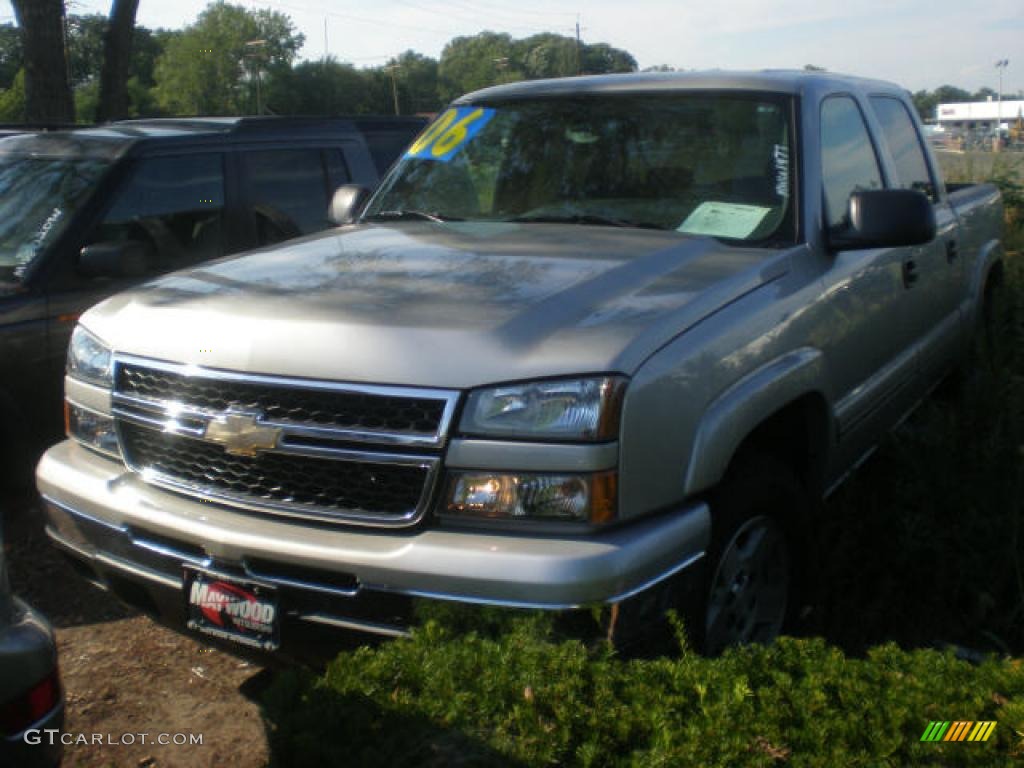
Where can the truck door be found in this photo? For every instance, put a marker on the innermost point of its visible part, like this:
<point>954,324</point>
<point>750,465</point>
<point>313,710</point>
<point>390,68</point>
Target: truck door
<point>934,272</point>
<point>169,212</point>
<point>286,191</point>
<point>865,327</point>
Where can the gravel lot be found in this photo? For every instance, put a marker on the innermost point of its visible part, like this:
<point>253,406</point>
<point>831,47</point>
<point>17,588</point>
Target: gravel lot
<point>125,675</point>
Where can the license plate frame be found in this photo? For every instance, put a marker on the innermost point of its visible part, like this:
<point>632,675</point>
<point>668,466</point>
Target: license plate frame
<point>238,610</point>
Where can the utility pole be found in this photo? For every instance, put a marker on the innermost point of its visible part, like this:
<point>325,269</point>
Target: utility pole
<point>578,44</point>
<point>255,46</point>
<point>1000,65</point>
<point>394,85</point>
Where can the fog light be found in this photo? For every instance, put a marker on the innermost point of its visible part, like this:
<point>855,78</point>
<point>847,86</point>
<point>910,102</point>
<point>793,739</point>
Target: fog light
<point>570,497</point>
<point>91,429</point>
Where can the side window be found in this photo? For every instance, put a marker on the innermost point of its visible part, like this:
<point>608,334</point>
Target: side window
<point>904,144</point>
<point>337,170</point>
<point>848,161</point>
<point>287,192</point>
<point>171,209</point>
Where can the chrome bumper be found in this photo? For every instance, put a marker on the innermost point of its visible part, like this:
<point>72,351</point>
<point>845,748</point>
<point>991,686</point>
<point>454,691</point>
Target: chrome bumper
<point>103,514</point>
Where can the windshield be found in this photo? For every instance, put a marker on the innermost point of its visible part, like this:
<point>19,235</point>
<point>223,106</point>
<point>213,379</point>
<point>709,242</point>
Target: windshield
<point>38,196</point>
<point>708,163</point>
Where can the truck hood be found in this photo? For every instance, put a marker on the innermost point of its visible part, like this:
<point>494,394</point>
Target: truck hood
<point>441,305</point>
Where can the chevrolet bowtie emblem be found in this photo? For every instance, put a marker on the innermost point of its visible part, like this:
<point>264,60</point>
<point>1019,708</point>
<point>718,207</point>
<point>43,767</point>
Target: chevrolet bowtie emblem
<point>240,434</point>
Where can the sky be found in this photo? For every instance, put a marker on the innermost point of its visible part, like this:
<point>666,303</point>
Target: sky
<point>916,43</point>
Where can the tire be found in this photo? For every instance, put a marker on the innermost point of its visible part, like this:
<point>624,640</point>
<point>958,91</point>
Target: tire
<point>754,562</point>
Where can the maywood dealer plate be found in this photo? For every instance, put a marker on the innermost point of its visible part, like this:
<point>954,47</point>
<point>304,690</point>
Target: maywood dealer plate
<point>240,611</point>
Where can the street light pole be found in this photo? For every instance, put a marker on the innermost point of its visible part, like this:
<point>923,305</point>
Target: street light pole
<point>1000,65</point>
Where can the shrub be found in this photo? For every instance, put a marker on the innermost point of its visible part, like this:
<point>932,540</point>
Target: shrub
<point>441,699</point>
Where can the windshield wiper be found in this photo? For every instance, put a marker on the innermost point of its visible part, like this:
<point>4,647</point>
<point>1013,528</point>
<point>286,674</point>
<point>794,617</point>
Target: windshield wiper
<point>585,218</point>
<point>410,214</point>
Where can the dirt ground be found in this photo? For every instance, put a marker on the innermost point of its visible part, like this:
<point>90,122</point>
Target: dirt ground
<point>124,675</point>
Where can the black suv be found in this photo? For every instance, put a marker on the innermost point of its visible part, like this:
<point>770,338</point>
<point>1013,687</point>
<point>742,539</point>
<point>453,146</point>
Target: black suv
<point>86,213</point>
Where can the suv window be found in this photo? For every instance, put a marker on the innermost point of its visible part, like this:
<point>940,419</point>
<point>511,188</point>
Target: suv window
<point>287,192</point>
<point>173,207</point>
<point>848,160</point>
<point>904,144</point>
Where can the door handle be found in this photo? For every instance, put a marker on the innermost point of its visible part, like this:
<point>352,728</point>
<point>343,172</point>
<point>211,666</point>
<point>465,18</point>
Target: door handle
<point>909,273</point>
<point>952,251</point>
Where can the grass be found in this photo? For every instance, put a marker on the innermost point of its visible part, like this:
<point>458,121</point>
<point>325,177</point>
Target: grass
<point>921,618</point>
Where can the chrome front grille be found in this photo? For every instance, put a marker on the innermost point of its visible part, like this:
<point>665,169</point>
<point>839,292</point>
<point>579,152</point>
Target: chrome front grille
<point>365,412</point>
<point>347,453</point>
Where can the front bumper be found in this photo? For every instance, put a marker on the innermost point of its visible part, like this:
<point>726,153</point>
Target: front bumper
<point>28,654</point>
<point>108,517</point>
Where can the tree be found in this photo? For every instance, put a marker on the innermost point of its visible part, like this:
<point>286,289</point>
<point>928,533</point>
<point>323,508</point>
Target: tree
<point>549,55</point>
<point>601,58</point>
<point>85,47</point>
<point>417,79</point>
<point>925,102</point>
<point>47,90</point>
<point>469,63</point>
<point>946,94</point>
<point>12,58</point>
<point>12,100</point>
<point>319,88</point>
<point>117,46</point>
<point>215,65</point>
<point>985,94</point>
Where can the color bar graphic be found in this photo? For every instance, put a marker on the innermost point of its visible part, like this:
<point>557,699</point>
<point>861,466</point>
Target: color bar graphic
<point>958,730</point>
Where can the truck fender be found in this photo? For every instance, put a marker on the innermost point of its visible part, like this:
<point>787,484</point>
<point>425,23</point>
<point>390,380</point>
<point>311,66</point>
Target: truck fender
<point>748,403</point>
<point>990,253</point>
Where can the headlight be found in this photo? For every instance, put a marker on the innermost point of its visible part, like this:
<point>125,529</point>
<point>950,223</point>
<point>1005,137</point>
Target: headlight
<point>565,497</point>
<point>89,358</point>
<point>569,409</point>
<point>91,429</point>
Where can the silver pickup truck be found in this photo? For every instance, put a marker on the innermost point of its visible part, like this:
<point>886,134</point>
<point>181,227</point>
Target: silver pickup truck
<point>594,341</point>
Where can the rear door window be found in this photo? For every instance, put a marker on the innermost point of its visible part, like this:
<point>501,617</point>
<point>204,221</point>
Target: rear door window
<point>286,191</point>
<point>904,145</point>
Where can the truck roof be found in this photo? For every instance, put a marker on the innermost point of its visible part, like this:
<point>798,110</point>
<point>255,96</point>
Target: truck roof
<point>114,139</point>
<point>792,81</point>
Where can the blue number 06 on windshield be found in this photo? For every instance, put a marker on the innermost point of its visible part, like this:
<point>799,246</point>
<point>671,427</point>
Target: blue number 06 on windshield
<point>449,133</point>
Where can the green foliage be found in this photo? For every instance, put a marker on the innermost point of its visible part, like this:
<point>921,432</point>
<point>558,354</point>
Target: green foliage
<point>318,88</point>
<point>85,47</point>
<point>417,79</point>
<point>12,58</point>
<point>12,100</point>
<point>470,63</point>
<point>210,68</point>
<point>87,101</point>
<point>477,61</point>
<point>442,699</point>
<point>925,544</point>
<point>1006,171</point>
<point>926,101</point>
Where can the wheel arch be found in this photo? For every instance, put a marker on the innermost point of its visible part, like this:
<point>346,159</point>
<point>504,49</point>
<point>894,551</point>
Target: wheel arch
<point>780,410</point>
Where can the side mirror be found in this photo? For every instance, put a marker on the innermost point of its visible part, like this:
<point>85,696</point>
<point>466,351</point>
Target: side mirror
<point>347,203</point>
<point>886,218</point>
<point>128,259</point>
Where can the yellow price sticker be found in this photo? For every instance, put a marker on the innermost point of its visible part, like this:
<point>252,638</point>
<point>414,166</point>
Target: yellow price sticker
<point>449,133</point>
